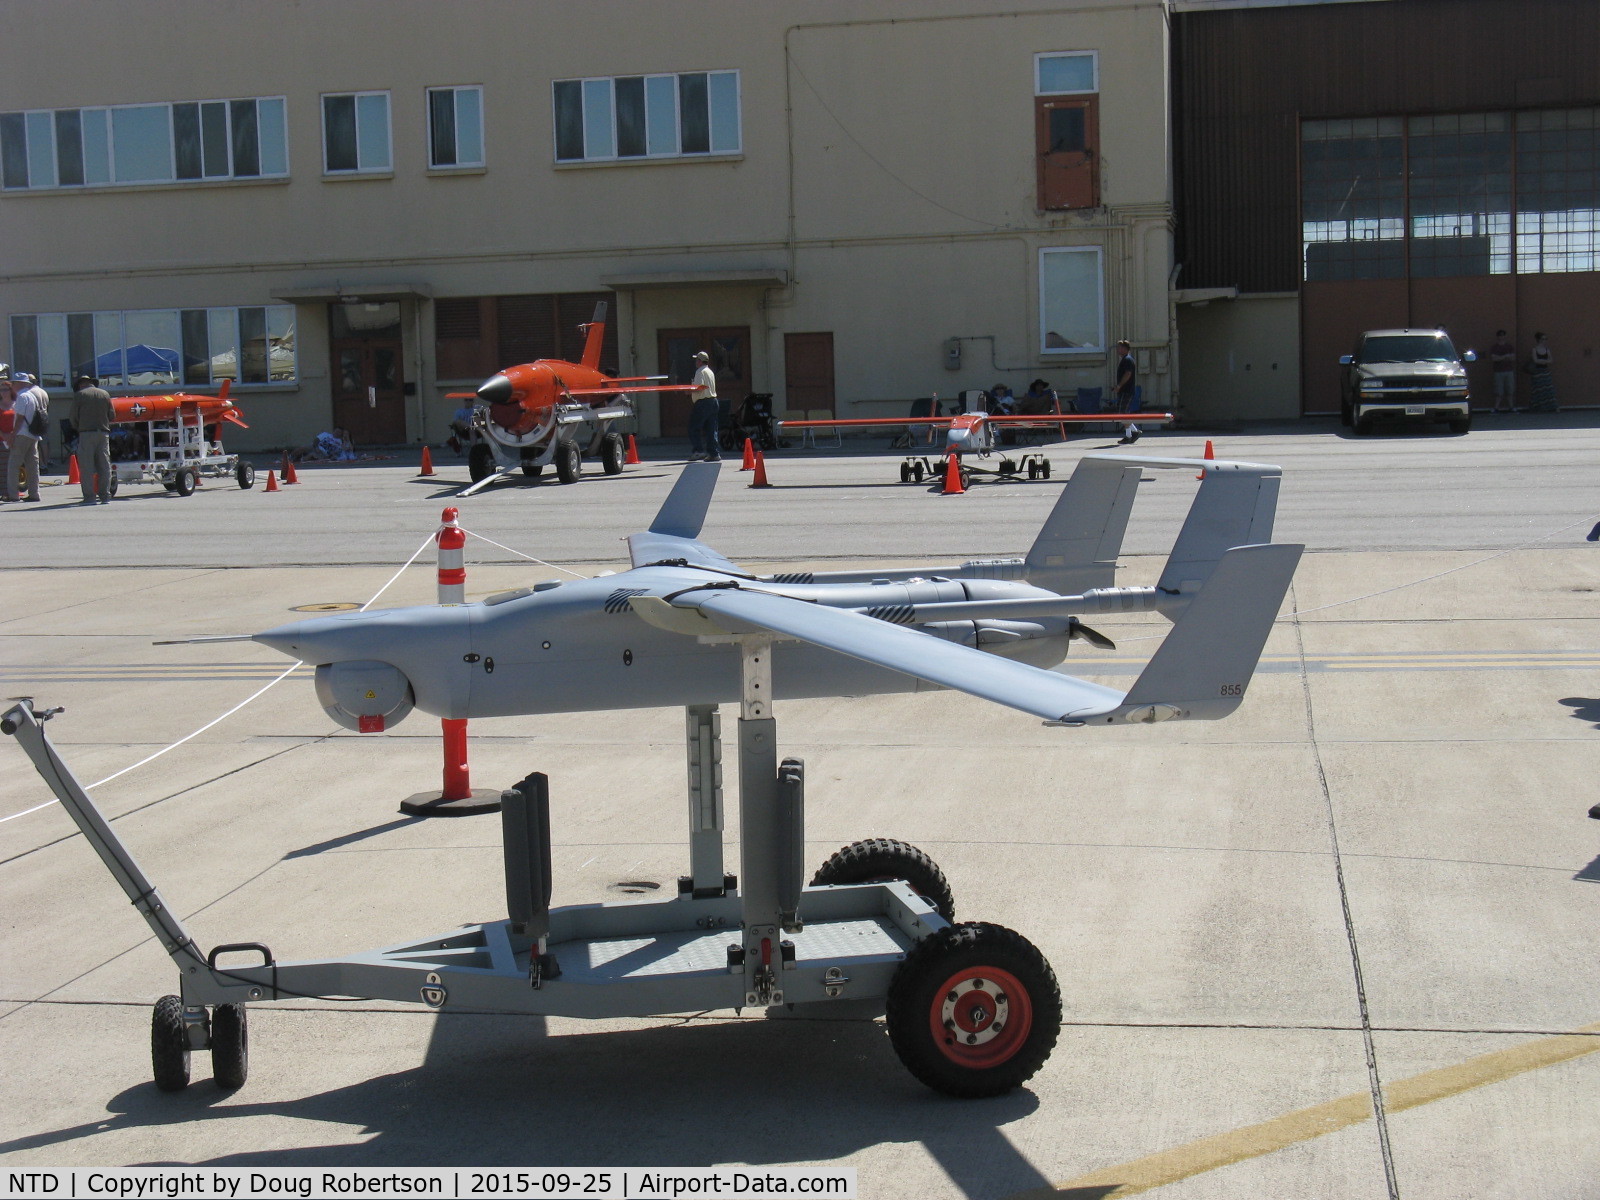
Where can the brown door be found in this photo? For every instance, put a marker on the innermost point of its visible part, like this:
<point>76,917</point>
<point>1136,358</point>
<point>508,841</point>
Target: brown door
<point>729,347</point>
<point>1067,129</point>
<point>808,371</point>
<point>369,391</point>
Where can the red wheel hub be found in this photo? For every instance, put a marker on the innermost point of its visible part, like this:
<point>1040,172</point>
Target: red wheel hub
<point>980,1017</point>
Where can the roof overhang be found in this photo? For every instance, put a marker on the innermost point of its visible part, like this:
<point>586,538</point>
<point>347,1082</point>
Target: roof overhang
<point>763,277</point>
<point>353,293</point>
<point>1204,295</point>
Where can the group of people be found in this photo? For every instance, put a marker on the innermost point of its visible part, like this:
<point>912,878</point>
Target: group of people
<point>1041,398</point>
<point>1541,383</point>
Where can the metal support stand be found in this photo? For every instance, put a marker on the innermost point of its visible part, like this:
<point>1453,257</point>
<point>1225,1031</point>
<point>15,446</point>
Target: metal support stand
<point>703,736</point>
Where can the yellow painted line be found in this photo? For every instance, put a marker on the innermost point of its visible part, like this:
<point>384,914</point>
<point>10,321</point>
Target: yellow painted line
<point>1253,1141</point>
<point>1445,663</point>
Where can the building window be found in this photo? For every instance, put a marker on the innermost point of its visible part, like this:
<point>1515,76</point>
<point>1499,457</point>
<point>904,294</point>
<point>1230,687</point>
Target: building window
<point>355,133</point>
<point>1450,195</point>
<point>647,116</point>
<point>201,141</point>
<point>1071,309</point>
<point>1067,129</point>
<point>455,127</point>
<point>158,347</point>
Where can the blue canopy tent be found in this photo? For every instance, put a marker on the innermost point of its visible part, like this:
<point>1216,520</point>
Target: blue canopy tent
<point>140,360</point>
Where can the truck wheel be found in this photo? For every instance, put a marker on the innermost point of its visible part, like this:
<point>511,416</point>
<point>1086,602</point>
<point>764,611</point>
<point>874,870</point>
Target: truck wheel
<point>878,860</point>
<point>169,1045</point>
<point>569,462</point>
<point>1344,414</point>
<point>185,481</point>
<point>480,462</point>
<point>1461,424</point>
<point>613,454</point>
<point>230,1046</point>
<point>1361,426</point>
<point>245,473</point>
<point>974,1010</point>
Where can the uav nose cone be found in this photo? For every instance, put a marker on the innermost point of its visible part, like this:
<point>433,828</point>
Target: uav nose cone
<point>497,390</point>
<point>311,641</point>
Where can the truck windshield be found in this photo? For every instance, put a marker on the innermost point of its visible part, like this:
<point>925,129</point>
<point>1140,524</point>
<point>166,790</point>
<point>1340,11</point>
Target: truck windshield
<point>1408,348</point>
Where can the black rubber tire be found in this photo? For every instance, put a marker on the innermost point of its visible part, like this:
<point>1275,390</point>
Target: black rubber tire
<point>185,481</point>
<point>614,453</point>
<point>876,860</point>
<point>1345,418</point>
<point>916,471</point>
<point>1461,425</point>
<point>1033,469</point>
<point>114,480</point>
<point>480,461</point>
<point>569,462</point>
<point>905,472</point>
<point>230,1045</point>
<point>929,990</point>
<point>169,1045</point>
<point>532,470</point>
<point>1044,469</point>
<point>1361,426</point>
<point>244,473</point>
<point>768,440</point>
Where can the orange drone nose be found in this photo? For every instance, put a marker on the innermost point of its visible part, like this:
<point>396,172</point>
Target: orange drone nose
<point>497,390</point>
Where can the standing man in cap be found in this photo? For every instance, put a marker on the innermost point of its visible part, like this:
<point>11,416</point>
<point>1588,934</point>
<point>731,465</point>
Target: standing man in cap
<point>703,416</point>
<point>93,420</point>
<point>31,411</point>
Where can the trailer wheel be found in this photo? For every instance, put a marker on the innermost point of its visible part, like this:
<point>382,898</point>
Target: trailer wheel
<point>974,1010</point>
<point>114,481</point>
<point>1044,468</point>
<point>532,469</point>
<point>1033,469</point>
<point>230,1045</point>
<point>169,1045</point>
<point>569,462</point>
<point>905,472</point>
<point>245,474</point>
<point>480,461</point>
<point>878,860</point>
<point>185,481</point>
<point>613,454</point>
<point>916,471</point>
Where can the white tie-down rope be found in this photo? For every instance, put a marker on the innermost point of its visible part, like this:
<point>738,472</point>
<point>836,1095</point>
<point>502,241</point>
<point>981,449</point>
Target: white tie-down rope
<point>248,700</point>
<point>529,557</point>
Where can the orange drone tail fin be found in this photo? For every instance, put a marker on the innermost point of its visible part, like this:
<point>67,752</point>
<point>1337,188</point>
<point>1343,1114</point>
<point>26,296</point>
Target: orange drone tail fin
<point>596,336</point>
<point>223,394</point>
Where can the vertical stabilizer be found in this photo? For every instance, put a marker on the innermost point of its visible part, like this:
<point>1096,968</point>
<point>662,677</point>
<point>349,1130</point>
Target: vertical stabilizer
<point>683,512</point>
<point>1077,546</point>
<point>596,337</point>
<point>1234,507</point>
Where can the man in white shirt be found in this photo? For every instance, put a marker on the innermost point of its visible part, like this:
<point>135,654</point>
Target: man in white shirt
<point>703,416</point>
<point>25,457</point>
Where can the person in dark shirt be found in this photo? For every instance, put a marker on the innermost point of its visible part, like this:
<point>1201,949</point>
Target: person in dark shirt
<point>92,416</point>
<point>1126,391</point>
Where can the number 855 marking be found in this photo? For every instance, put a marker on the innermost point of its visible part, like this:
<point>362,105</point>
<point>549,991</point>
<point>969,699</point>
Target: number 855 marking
<point>1232,689</point>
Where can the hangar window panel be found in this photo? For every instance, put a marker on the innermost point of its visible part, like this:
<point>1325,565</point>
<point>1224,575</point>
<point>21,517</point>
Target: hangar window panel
<point>253,345</point>
<point>723,101</point>
<point>53,355</point>
<point>195,346</point>
<point>270,120</point>
<point>282,360</point>
<point>568,97</point>
<point>1558,191</point>
<point>141,141</point>
<point>661,114</point>
<point>186,140</point>
<point>1067,130</point>
<point>109,360</point>
<point>214,139</point>
<point>1352,203</point>
<point>223,336</point>
<point>1071,306</point>
<point>69,147</point>
<point>246,138</point>
<point>153,347</point>
<point>1459,169</point>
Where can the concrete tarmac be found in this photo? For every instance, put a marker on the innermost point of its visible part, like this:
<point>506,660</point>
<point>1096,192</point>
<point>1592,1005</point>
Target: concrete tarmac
<point>1341,944</point>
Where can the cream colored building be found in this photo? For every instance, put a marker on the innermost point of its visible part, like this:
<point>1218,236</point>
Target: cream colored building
<point>353,207</point>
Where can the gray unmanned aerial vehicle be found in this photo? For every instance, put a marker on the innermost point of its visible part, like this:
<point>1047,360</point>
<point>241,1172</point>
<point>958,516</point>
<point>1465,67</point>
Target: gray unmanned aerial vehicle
<point>972,1009</point>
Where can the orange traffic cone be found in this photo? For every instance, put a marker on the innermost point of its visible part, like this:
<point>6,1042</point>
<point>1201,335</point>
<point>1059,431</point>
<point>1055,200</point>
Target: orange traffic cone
<point>289,473</point>
<point>631,459</point>
<point>761,471</point>
<point>272,482</point>
<point>72,470</point>
<point>952,476</point>
<point>749,456</point>
<point>1210,453</point>
<point>427,462</point>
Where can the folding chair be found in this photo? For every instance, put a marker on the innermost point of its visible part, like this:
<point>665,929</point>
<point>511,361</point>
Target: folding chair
<point>823,414</point>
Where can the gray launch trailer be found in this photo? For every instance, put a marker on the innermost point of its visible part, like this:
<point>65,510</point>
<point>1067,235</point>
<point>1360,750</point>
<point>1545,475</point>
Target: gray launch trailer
<point>972,1009</point>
